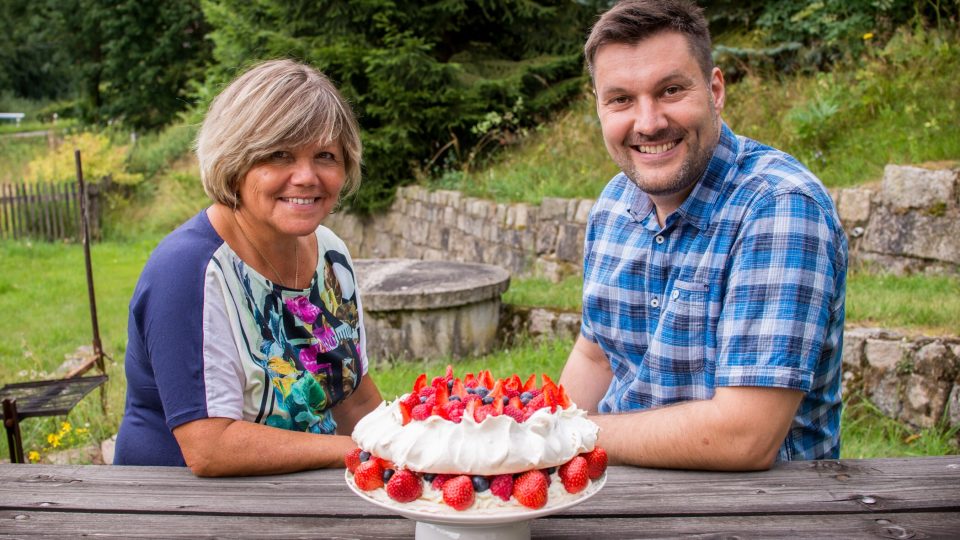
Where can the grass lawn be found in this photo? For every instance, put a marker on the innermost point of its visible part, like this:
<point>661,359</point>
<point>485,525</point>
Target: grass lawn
<point>45,315</point>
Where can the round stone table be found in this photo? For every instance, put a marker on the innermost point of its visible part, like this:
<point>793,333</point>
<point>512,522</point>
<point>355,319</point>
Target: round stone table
<point>415,309</point>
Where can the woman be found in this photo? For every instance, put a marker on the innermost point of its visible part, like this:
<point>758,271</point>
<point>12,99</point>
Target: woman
<point>246,350</point>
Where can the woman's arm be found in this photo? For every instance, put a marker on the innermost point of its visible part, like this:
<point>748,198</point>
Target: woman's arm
<point>227,447</point>
<point>357,405</point>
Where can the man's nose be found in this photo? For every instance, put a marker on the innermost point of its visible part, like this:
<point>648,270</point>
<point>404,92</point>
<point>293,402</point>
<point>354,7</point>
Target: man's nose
<point>649,117</point>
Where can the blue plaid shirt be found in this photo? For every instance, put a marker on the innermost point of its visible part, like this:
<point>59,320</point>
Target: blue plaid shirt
<point>743,286</point>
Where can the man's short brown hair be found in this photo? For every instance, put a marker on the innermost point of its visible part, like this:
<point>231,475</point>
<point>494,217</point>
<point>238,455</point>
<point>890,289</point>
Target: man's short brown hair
<point>632,21</point>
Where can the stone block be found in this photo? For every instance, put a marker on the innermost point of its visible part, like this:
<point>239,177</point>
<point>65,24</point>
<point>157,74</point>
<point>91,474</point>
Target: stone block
<point>885,394</point>
<point>553,208</point>
<point>541,322</point>
<point>500,214</point>
<point>905,187</point>
<point>521,216</point>
<point>953,407</point>
<point>853,205</point>
<point>853,356</point>
<point>582,213</point>
<point>933,360</point>
<point>570,243</point>
<point>883,354</point>
<point>547,232</point>
<point>450,216</point>
<point>914,234</point>
<point>925,400</point>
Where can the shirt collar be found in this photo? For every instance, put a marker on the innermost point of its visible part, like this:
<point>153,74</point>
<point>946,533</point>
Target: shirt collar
<point>698,207</point>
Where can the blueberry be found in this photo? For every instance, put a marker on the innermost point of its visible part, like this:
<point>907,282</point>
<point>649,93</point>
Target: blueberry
<point>387,473</point>
<point>525,397</point>
<point>482,391</point>
<point>364,456</point>
<point>450,384</point>
<point>551,470</point>
<point>506,400</point>
<point>454,398</point>
<point>423,399</point>
<point>480,483</point>
<point>487,400</point>
<point>429,476</point>
<point>471,390</point>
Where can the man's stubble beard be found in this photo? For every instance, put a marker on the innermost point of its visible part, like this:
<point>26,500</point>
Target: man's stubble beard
<point>691,170</point>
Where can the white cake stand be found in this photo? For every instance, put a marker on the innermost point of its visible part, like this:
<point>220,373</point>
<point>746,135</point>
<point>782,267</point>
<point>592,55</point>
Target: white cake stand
<point>491,524</point>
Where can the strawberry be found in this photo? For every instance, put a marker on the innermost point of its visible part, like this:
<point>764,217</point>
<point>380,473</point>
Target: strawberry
<point>562,399</point>
<point>369,475</point>
<point>440,480</point>
<point>596,462</point>
<point>404,486</point>
<point>486,379</point>
<point>573,474</point>
<point>421,412</point>
<point>502,486</point>
<point>484,411</point>
<point>419,383</point>
<point>530,384</point>
<point>458,389</point>
<point>458,492</point>
<point>410,400</point>
<point>512,385</point>
<point>406,413</point>
<point>530,489</point>
<point>449,374</point>
<point>513,412</point>
<point>470,381</point>
<point>352,459</point>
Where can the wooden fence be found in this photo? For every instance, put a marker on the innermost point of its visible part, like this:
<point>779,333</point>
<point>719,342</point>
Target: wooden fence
<point>46,211</point>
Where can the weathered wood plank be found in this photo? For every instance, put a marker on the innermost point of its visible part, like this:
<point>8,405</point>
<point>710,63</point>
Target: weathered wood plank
<point>850,486</point>
<point>43,524</point>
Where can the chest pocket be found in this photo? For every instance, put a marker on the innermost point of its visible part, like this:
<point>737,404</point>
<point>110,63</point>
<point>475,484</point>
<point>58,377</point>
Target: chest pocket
<point>679,345</point>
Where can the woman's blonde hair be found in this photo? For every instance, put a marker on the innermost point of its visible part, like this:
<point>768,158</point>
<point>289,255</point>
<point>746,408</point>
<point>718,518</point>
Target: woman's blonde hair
<point>276,104</point>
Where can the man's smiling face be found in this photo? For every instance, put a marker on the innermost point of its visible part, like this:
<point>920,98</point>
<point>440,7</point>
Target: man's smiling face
<point>660,117</point>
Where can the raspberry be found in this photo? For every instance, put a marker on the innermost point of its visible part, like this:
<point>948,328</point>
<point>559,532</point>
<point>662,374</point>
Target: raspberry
<point>573,474</point>
<point>453,411</point>
<point>411,399</point>
<point>458,492</point>
<point>404,486</point>
<point>530,489</point>
<point>369,475</point>
<point>421,412</point>
<point>596,462</point>
<point>513,412</point>
<point>502,486</point>
<point>352,459</point>
<point>440,480</point>
<point>428,391</point>
<point>483,412</point>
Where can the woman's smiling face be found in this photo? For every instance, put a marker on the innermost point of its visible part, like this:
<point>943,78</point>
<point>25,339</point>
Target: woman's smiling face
<point>660,115</point>
<point>292,190</point>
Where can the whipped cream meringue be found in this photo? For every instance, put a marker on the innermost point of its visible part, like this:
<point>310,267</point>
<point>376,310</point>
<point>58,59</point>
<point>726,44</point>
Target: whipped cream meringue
<point>497,445</point>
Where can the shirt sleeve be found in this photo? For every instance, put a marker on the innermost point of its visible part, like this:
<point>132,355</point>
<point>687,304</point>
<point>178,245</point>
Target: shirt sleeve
<point>780,289</point>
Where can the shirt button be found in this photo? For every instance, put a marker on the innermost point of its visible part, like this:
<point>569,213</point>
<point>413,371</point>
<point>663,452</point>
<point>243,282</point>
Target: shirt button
<point>659,238</point>
<point>675,294</point>
<point>655,302</point>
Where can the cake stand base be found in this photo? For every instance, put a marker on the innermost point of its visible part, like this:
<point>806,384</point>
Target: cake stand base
<point>516,530</point>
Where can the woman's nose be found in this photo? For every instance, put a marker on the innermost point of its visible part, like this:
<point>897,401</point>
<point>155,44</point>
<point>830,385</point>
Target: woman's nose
<point>304,172</point>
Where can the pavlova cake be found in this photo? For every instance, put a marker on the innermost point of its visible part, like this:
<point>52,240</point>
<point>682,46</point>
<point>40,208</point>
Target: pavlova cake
<point>478,444</point>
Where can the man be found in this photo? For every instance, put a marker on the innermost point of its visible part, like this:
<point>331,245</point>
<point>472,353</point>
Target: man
<point>714,267</point>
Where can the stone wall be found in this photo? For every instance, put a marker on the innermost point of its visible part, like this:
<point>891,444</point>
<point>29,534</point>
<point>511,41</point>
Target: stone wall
<point>909,223</point>
<point>914,379</point>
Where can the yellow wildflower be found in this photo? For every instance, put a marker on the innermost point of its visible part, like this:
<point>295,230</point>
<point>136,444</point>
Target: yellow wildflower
<point>33,456</point>
<point>53,439</point>
<point>868,36</point>
<point>65,427</point>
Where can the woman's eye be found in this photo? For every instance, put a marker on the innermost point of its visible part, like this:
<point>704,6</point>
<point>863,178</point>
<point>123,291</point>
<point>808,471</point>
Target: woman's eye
<point>327,156</point>
<point>279,154</point>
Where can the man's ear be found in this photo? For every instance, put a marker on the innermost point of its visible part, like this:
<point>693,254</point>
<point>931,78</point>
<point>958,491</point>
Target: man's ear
<point>718,89</point>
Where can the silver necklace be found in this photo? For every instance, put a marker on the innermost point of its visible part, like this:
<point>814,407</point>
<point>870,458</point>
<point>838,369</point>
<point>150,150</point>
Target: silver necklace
<point>296,254</point>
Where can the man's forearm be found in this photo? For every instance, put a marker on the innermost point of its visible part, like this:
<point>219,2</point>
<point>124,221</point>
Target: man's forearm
<point>718,434</point>
<point>587,375</point>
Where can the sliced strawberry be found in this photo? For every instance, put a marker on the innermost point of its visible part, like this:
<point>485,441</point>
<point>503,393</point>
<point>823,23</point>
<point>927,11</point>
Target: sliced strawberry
<point>449,375</point>
<point>404,486</point>
<point>547,381</point>
<point>530,489</point>
<point>406,413</point>
<point>369,475</point>
<point>352,459</point>
<point>419,383</point>
<point>486,379</point>
<point>573,474</point>
<point>515,401</point>
<point>502,486</point>
<point>562,399</point>
<point>596,462</point>
<point>458,492</point>
<point>512,384</point>
<point>530,384</point>
<point>411,399</point>
<point>442,395</point>
<point>458,389</point>
<point>484,411</point>
<point>470,381</point>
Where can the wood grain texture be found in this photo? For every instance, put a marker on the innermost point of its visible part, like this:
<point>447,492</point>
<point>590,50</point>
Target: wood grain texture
<point>40,524</point>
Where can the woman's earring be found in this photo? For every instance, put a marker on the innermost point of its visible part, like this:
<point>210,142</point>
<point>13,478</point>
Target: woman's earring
<point>236,197</point>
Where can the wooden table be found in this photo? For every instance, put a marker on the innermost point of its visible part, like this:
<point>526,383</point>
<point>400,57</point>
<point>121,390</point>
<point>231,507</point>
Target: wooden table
<point>885,498</point>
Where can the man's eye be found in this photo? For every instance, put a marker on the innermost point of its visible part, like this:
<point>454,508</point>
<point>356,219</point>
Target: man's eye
<point>672,90</point>
<point>619,100</point>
